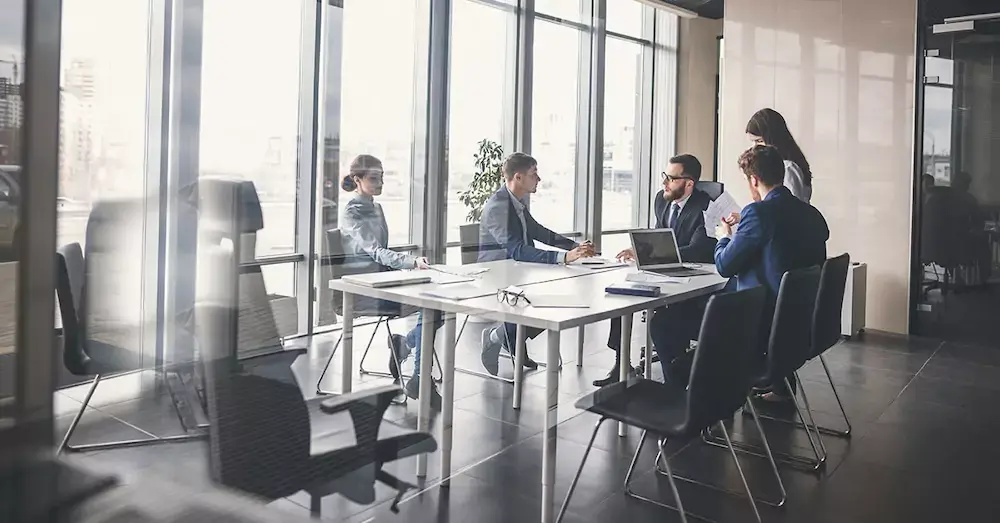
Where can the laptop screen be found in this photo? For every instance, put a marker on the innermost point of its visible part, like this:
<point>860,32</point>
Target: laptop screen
<point>655,247</point>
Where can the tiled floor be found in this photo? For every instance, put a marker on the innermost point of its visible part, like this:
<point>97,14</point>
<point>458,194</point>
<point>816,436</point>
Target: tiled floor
<point>924,417</point>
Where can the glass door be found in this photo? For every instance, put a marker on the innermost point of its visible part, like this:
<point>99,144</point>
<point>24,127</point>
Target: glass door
<point>959,238</point>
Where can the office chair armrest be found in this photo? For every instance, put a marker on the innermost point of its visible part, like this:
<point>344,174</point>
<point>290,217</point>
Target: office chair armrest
<point>376,395</point>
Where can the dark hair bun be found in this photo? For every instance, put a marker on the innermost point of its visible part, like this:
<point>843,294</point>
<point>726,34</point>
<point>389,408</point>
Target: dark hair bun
<point>348,183</point>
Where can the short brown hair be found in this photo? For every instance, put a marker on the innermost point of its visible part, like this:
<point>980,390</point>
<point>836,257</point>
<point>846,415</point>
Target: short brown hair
<point>517,163</point>
<point>764,162</point>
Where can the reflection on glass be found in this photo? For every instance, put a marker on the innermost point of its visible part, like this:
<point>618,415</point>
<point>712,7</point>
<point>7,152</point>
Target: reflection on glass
<point>572,10</point>
<point>622,98</point>
<point>480,60</point>
<point>11,134</point>
<point>554,123</point>
<point>937,133</point>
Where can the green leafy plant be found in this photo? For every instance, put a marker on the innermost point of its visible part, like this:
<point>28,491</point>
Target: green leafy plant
<point>487,180</point>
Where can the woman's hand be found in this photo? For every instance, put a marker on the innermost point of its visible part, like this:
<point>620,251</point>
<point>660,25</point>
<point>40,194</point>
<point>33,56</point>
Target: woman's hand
<point>421,263</point>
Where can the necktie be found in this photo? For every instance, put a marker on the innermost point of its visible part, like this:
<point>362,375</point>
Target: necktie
<point>675,210</point>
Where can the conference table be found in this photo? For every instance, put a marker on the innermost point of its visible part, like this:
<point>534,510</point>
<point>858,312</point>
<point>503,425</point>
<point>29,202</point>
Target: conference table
<point>581,283</point>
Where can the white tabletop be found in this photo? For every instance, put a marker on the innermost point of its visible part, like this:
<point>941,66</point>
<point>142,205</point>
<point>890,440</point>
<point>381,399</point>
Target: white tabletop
<point>585,284</point>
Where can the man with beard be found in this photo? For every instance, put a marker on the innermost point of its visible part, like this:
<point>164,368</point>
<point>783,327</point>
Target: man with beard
<point>679,206</point>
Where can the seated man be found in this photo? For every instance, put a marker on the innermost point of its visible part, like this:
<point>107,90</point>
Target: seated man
<point>509,232</point>
<point>679,206</point>
<point>777,233</point>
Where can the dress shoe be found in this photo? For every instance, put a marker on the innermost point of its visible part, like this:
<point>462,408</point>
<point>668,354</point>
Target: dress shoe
<point>397,344</point>
<point>413,391</point>
<point>612,377</point>
<point>491,353</point>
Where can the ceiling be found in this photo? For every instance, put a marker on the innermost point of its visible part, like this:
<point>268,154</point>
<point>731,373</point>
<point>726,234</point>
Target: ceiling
<point>705,8</point>
<point>936,10</point>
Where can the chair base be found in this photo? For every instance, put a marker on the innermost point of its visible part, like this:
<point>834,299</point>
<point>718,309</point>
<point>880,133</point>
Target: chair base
<point>64,446</point>
<point>679,508</point>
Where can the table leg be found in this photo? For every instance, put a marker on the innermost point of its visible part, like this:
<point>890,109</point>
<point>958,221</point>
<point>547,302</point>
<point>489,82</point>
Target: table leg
<point>347,345</point>
<point>551,420</point>
<point>626,357</point>
<point>447,395</point>
<point>426,379</point>
<point>648,371</point>
<point>519,365</point>
<point>579,345</point>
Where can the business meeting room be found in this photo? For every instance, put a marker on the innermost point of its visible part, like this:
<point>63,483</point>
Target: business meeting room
<point>499,261</point>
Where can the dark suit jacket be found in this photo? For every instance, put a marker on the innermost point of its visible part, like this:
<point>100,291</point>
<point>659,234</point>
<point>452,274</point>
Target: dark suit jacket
<point>501,236</point>
<point>775,235</point>
<point>692,240</point>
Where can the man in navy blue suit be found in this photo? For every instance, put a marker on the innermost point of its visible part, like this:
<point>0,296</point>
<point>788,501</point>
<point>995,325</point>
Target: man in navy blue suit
<point>777,233</point>
<point>679,206</point>
<point>508,231</point>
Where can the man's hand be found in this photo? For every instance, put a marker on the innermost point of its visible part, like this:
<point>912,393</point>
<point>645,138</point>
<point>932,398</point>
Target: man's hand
<point>626,255</point>
<point>421,263</point>
<point>581,251</point>
<point>732,219</point>
<point>589,246</point>
<point>723,230</point>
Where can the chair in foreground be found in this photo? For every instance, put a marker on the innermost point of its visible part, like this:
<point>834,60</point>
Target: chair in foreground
<point>789,347</point>
<point>84,356</point>
<point>721,377</point>
<point>826,328</point>
<point>260,439</point>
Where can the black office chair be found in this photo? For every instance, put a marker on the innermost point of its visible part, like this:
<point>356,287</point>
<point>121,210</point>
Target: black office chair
<point>713,189</point>
<point>260,438</point>
<point>789,348</point>
<point>340,265</point>
<point>721,377</point>
<point>85,356</point>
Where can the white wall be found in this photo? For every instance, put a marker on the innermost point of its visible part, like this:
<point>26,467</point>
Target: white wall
<point>841,72</point>
<point>697,67</point>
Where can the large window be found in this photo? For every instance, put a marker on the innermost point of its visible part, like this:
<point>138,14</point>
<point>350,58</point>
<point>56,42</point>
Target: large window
<point>622,101</point>
<point>482,62</point>
<point>249,107</point>
<point>554,121</point>
<point>376,100</point>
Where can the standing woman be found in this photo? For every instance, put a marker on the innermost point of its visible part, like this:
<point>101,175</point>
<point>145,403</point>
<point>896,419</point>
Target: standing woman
<point>768,127</point>
<point>366,245</point>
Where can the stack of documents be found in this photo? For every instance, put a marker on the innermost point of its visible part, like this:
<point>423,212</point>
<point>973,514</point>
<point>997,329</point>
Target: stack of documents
<point>718,209</point>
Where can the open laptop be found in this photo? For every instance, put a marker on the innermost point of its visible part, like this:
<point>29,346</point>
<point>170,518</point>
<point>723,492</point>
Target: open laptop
<point>656,251</point>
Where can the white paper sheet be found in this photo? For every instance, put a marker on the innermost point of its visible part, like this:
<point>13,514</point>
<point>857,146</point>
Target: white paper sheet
<point>720,208</point>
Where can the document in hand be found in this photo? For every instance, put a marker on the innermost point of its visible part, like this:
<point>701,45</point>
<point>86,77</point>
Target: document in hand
<point>720,208</point>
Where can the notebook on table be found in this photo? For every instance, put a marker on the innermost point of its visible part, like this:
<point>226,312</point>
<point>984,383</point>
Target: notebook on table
<point>379,280</point>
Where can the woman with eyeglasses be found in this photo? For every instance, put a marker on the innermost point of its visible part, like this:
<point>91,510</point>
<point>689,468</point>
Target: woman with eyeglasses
<point>768,127</point>
<point>366,237</point>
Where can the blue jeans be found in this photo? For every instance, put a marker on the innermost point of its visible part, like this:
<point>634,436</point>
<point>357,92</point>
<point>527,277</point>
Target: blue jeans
<point>414,337</point>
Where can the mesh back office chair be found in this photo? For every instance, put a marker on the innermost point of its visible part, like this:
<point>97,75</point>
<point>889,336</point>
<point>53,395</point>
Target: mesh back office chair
<point>260,429</point>
<point>85,356</point>
<point>340,266</point>
<point>721,377</point>
<point>712,189</point>
<point>789,347</point>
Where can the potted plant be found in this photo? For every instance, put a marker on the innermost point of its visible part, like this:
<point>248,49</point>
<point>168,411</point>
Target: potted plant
<point>487,180</point>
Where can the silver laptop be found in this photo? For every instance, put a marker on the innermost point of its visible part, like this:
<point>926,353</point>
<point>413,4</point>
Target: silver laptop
<point>384,279</point>
<point>656,251</point>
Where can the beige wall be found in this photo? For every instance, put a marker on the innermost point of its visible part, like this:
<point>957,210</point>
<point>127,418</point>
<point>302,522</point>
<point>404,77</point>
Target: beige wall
<point>841,72</point>
<point>697,63</point>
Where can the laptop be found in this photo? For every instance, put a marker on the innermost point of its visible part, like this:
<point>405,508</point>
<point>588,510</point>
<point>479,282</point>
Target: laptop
<point>379,280</point>
<point>656,251</point>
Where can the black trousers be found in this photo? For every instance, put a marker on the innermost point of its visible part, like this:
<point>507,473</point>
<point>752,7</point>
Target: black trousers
<point>672,329</point>
<point>511,335</point>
